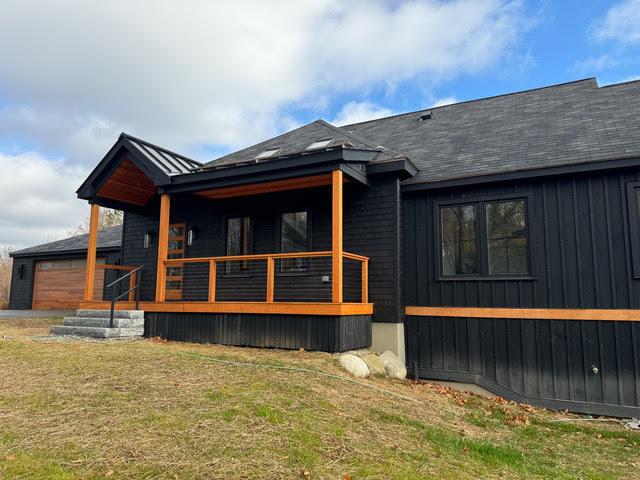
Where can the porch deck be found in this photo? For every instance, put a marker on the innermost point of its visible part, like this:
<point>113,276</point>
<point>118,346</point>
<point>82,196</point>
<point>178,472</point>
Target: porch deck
<point>278,283</point>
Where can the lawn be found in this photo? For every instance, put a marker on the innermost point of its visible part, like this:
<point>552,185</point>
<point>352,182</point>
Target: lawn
<point>154,409</point>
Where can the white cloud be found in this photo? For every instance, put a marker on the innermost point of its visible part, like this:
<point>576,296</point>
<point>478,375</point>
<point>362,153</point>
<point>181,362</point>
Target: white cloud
<point>184,74</point>
<point>441,102</point>
<point>355,112</point>
<point>38,199</point>
<point>595,64</point>
<point>621,23</point>
<point>218,74</point>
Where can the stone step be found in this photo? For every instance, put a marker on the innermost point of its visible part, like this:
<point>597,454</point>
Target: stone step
<point>103,322</point>
<point>107,313</point>
<point>96,332</point>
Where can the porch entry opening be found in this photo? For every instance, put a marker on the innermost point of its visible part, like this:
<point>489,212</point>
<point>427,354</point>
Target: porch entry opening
<point>175,250</point>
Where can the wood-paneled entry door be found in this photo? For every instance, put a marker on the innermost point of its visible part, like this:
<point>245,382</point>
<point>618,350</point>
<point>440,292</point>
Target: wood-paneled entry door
<point>175,274</point>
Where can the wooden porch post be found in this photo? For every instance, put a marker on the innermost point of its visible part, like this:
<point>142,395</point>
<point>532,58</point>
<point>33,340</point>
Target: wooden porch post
<point>336,236</point>
<point>89,282</point>
<point>163,245</point>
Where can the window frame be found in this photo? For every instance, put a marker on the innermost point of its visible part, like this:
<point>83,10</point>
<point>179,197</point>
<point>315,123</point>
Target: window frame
<point>309,248</point>
<point>634,233</point>
<point>482,241</point>
<point>252,229</point>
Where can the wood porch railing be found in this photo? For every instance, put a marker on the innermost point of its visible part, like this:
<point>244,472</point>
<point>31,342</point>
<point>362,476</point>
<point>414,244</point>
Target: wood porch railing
<point>253,277</point>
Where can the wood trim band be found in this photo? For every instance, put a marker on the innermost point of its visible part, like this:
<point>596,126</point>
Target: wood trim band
<point>163,245</point>
<point>262,256</point>
<point>336,236</point>
<point>527,313</point>
<point>212,281</point>
<point>94,220</point>
<point>288,308</point>
<point>365,280</point>
<point>270,279</point>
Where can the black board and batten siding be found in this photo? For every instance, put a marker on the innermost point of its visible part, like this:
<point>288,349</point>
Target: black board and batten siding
<point>311,332</point>
<point>580,257</point>
<point>371,219</point>
<point>371,228</point>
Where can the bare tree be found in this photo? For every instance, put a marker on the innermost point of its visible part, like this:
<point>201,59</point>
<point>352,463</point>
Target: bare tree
<point>108,218</point>
<point>6,263</point>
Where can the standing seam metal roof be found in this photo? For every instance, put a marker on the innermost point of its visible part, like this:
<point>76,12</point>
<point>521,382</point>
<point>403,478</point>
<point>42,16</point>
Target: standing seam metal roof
<point>169,162</point>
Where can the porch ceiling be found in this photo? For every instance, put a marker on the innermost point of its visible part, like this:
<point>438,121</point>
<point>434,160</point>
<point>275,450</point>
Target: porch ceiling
<point>128,184</point>
<point>268,187</point>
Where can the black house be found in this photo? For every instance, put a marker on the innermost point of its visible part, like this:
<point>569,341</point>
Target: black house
<point>494,241</point>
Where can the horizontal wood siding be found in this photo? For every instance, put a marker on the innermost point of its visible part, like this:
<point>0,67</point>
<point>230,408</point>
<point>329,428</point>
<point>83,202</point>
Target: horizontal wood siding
<point>325,333</point>
<point>579,248</point>
<point>21,294</point>
<point>548,363</point>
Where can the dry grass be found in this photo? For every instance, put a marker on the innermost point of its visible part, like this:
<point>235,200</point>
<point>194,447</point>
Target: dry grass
<point>150,409</point>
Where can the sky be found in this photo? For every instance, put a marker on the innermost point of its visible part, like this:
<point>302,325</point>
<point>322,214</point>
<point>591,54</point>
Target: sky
<point>204,78</point>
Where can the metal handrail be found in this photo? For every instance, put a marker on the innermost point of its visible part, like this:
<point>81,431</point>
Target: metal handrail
<point>115,298</point>
<point>118,280</point>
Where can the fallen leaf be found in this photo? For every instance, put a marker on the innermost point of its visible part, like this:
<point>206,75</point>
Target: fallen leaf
<point>109,473</point>
<point>10,458</point>
<point>346,476</point>
<point>305,474</point>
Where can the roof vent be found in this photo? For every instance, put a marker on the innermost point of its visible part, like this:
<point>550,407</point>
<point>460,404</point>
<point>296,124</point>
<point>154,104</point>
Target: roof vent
<point>320,144</point>
<point>267,153</point>
<point>425,116</point>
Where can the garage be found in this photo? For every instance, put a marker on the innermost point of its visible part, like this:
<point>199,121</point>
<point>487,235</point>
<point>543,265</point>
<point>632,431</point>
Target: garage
<point>52,276</point>
<point>59,284</point>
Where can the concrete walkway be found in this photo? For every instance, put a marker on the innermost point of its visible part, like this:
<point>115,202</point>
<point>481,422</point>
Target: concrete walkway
<point>7,314</point>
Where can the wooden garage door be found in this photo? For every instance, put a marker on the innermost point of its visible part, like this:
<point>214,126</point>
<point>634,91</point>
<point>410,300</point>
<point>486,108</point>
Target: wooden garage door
<point>59,284</point>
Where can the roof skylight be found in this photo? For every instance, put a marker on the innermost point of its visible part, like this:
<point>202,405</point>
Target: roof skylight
<point>267,153</point>
<point>319,144</point>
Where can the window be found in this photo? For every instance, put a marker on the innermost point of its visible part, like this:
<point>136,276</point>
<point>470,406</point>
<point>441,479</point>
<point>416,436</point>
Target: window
<point>633,205</point>
<point>507,238</point>
<point>66,264</point>
<point>238,242</point>
<point>486,238</point>
<point>267,153</point>
<point>294,237</point>
<point>459,249</point>
<point>320,144</point>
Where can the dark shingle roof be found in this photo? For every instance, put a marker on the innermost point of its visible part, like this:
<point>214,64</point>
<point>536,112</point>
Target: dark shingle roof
<point>109,238</point>
<point>296,141</point>
<point>167,161</point>
<point>565,124</point>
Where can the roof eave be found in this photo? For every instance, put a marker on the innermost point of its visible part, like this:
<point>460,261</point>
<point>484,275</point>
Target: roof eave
<point>285,167</point>
<point>517,175</point>
<point>53,253</point>
<point>402,167</point>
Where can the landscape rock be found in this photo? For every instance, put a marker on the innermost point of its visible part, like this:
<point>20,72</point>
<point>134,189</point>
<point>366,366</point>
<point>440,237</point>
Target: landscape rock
<point>375,364</point>
<point>354,365</point>
<point>361,352</point>
<point>393,366</point>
